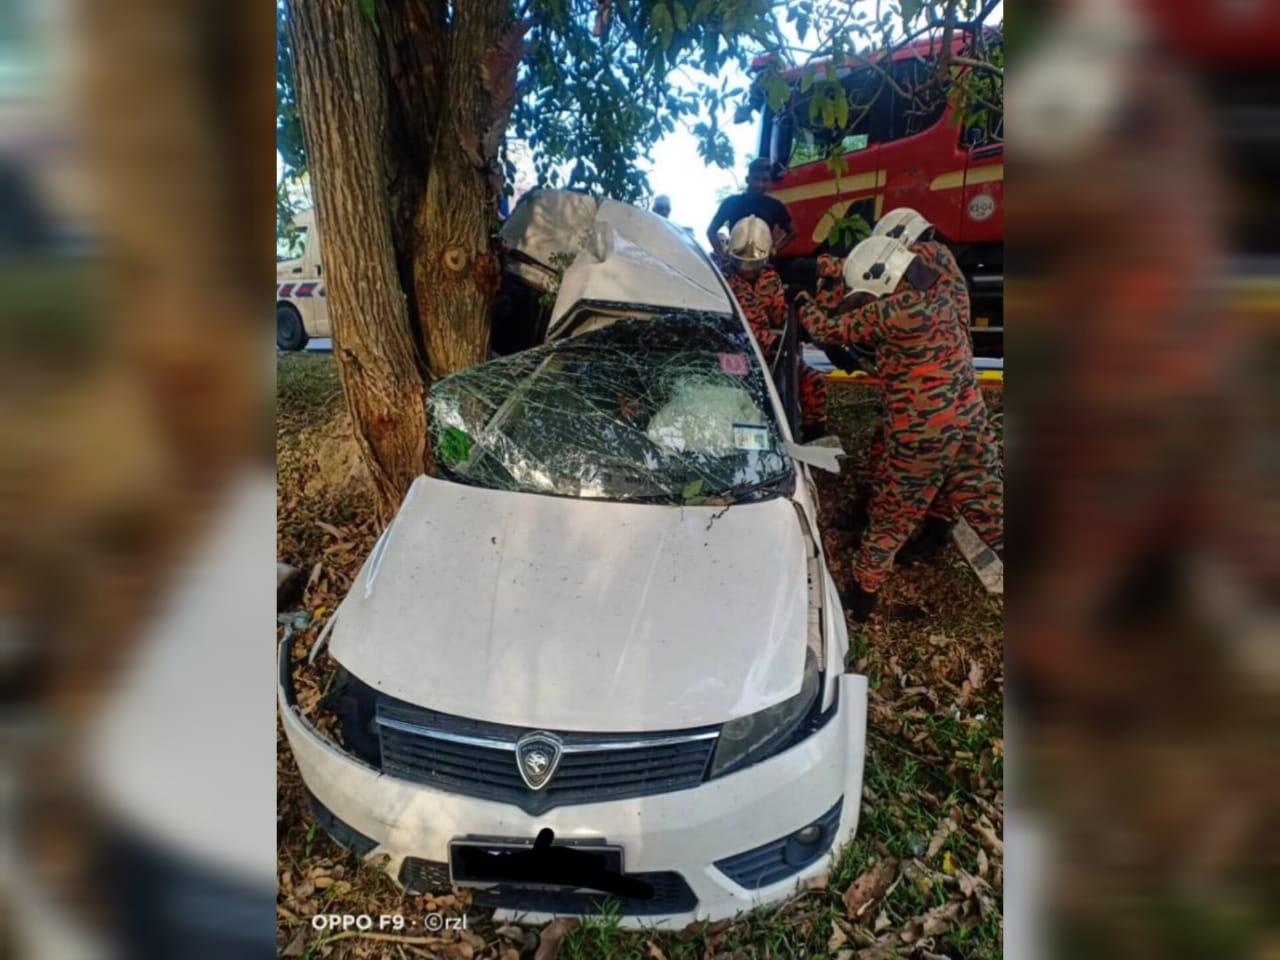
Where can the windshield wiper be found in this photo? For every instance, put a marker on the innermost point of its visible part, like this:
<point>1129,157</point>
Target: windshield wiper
<point>737,494</point>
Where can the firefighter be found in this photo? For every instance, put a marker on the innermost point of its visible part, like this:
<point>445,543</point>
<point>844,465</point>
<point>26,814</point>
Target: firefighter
<point>913,231</point>
<point>760,293</point>
<point>910,229</point>
<point>938,441</point>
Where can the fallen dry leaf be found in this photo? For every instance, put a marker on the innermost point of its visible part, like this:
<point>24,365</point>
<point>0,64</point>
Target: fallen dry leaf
<point>655,952</point>
<point>930,924</point>
<point>988,833</point>
<point>944,829</point>
<point>886,948</point>
<point>837,939</point>
<point>330,529</point>
<point>296,946</point>
<point>869,886</point>
<point>552,937</point>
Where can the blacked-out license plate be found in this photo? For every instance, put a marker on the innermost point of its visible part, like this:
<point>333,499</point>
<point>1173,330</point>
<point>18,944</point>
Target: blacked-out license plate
<point>486,862</point>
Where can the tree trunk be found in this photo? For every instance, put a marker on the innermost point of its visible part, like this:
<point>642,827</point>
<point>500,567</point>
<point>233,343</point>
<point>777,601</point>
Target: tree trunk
<point>343,108</point>
<point>455,270</point>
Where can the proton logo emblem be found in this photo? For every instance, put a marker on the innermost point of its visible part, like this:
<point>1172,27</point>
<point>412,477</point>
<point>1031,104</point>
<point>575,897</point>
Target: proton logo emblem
<point>537,756</point>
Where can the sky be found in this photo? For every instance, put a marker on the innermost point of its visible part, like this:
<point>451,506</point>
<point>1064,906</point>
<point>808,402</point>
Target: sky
<point>678,171</point>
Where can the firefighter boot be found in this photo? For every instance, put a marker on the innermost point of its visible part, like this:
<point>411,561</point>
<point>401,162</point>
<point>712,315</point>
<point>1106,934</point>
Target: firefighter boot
<point>928,543</point>
<point>858,603</point>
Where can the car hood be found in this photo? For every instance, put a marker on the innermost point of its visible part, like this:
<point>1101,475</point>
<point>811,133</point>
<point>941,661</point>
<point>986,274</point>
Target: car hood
<point>572,614</point>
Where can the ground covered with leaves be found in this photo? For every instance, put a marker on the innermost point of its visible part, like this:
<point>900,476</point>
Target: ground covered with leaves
<point>923,878</point>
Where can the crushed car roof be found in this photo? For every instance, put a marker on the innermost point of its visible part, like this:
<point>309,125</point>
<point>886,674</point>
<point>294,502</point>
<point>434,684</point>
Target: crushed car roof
<point>621,254</point>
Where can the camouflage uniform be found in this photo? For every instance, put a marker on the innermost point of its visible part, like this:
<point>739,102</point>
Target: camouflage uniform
<point>938,441</point>
<point>937,257</point>
<point>830,282</point>
<point>831,291</point>
<point>764,302</point>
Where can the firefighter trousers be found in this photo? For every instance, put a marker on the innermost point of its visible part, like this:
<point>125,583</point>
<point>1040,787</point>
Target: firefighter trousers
<point>959,466</point>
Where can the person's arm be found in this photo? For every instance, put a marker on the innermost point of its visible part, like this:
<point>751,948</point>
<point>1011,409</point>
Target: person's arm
<point>775,297</point>
<point>713,231</point>
<point>857,327</point>
<point>785,231</point>
<point>759,324</point>
<point>829,267</point>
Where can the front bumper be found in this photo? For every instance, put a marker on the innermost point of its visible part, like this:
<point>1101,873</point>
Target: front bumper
<point>684,832</point>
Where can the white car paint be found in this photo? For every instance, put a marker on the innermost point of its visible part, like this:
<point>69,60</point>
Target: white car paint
<point>561,613</point>
<point>686,831</point>
<point>622,255</point>
<point>636,257</point>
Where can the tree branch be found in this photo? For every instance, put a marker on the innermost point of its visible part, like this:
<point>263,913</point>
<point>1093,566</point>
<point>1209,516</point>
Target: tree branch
<point>978,65</point>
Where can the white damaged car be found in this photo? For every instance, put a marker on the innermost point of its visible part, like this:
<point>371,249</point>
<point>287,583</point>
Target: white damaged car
<point>598,656</point>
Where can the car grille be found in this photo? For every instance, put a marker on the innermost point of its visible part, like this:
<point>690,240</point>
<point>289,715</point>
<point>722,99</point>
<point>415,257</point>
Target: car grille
<point>479,759</point>
<point>774,861</point>
<point>671,894</point>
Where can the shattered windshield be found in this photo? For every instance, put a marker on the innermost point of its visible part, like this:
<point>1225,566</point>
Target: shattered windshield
<point>666,409</point>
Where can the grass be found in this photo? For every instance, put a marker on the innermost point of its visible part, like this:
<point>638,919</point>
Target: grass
<point>307,389</point>
<point>934,749</point>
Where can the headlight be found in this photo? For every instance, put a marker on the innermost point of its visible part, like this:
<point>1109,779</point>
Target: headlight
<point>748,739</point>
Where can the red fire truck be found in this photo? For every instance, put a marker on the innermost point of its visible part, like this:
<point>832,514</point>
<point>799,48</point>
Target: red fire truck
<point>903,152</point>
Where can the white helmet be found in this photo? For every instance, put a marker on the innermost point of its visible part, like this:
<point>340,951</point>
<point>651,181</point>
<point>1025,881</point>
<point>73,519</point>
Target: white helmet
<point>750,241</point>
<point>903,224</point>
<point>876,266</point>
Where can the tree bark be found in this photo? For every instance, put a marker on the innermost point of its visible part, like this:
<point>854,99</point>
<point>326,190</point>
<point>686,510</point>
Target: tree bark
<point>343,108</point>
<point>455,270</point>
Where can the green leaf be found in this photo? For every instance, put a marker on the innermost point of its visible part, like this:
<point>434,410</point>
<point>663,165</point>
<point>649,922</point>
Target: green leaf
<point>842,109</point>
<point>455,445</point>
<point>806,80</point>
<point>366,7</point>
<point>691,489</point>
<point>777,91</point>
<point>857,226</point>
<point>663,24</point>
<point>828,112</point>
<point>910,8</point>
<point>815,109</point>
<point>682,18</point>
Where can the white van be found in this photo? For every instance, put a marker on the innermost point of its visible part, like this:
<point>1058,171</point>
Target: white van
<point>302,310</point>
